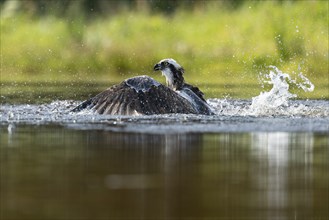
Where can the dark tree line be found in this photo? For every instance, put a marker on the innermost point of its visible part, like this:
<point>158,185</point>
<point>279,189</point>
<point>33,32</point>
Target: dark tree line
<point>105,7</point>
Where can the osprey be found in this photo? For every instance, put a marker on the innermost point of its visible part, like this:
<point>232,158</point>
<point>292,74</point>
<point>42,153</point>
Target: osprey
<point>142,95</point>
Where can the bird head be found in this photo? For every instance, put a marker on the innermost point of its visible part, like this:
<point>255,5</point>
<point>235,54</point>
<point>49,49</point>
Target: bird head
<point>172,71</point>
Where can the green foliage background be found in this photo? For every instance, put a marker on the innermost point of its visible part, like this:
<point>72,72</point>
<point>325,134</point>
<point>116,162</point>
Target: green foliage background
<point>217,43</point>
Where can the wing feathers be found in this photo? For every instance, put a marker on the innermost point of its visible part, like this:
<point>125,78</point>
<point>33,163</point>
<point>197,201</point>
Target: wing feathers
<point>125,99</point>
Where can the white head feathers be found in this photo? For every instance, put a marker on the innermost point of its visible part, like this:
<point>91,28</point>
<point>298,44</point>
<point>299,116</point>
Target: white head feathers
<point>172,61</point>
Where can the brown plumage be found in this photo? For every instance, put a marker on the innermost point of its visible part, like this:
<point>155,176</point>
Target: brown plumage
<point>142,95</point>
<point>125,99</point>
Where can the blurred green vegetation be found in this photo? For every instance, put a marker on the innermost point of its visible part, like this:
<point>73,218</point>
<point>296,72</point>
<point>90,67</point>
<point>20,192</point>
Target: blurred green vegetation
<point>216,42</point>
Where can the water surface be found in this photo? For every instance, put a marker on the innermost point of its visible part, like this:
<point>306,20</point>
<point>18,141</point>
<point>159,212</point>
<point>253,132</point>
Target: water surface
<point>262,158</point>
<point>54,172</point>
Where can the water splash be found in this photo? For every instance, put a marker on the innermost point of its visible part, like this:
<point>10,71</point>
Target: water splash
<point>278,97</point>
<point>277,102</point>
<point>306,84</point>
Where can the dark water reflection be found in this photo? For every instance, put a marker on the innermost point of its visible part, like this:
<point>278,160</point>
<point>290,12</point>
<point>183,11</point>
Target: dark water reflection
<point>50,172</point>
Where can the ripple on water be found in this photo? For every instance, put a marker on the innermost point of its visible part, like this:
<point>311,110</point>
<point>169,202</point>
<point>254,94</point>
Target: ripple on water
<point>231,116</point>
<point>269,111</point>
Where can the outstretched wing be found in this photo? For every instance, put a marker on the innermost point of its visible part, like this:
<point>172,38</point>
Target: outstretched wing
<point>138,96</point>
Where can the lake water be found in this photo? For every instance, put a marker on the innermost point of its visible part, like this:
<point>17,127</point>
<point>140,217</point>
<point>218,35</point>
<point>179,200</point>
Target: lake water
<point>263,158</point>
<point>58,172</point>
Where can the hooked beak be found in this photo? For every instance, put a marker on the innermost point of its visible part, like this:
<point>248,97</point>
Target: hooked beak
<point>157,67</point>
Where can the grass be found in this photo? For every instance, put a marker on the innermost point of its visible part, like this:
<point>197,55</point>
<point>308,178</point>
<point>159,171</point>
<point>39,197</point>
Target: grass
<point>216,46</point>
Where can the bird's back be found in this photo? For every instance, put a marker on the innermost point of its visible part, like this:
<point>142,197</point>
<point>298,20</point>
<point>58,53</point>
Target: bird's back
<point>196,90</point>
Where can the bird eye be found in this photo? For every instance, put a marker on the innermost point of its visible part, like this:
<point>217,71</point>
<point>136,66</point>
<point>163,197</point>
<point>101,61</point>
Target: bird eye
<point>165,63</point>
